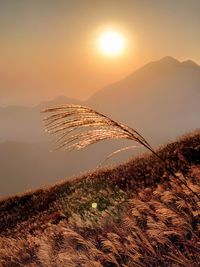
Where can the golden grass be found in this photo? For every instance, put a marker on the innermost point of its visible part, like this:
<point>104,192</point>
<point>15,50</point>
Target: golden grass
<point>66,119</point>
<point>145,217</point>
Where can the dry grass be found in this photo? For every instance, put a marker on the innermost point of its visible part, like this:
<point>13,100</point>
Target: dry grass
<point>66,119</point>
<point>145,217</point>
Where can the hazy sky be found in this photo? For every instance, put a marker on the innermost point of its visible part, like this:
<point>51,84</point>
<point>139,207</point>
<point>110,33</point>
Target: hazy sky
<point>48,48</point>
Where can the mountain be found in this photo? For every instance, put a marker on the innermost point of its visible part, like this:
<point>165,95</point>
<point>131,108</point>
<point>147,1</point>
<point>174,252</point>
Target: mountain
<point>57,101</point>
<point>161,99</point>
<point>136,214</point>
<point>24,124</point>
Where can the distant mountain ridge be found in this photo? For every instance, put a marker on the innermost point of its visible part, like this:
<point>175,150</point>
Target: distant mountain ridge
<point>58,100</point>
<point>165,64</point>
<point>164,92</point>
<point>160,100</point>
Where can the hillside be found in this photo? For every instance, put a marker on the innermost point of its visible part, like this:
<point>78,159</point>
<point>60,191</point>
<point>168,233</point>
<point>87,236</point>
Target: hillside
<point>144,217</point>
<point>160,100</point>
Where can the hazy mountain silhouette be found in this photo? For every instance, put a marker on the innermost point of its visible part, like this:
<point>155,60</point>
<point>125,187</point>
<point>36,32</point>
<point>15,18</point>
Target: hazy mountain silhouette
<point>24,124</point>
<point>58,100</point>
<point>25,165</point>
<point>160,100</point>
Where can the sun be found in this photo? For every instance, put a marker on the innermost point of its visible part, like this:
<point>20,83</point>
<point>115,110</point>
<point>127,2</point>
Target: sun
<point>111,43</point>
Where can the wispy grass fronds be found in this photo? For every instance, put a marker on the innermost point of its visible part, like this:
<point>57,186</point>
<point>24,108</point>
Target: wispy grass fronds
<point>64,120</point>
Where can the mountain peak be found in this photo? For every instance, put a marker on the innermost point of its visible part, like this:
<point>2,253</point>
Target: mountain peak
<point>168,60</point>
<point>190,63</point>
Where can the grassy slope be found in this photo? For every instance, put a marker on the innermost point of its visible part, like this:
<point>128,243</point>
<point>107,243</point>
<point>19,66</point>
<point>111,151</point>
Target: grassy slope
<point>144,217</point>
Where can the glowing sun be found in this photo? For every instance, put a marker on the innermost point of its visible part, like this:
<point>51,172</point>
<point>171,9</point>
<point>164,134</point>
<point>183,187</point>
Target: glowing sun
<point>111,43</point>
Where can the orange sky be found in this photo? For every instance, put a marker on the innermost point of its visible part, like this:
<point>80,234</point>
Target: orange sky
<point>48,48</point>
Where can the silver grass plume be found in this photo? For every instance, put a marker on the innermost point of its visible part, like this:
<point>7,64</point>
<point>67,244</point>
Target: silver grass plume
<point>64,120</point>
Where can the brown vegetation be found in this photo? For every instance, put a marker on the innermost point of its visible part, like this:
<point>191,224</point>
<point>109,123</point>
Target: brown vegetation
<point>144,216</point>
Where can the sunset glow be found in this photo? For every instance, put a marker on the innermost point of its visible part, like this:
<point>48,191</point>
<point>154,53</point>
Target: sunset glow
<point>111,43</point>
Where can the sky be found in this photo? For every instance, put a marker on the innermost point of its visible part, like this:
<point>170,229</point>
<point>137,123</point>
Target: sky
<point>49,48</point>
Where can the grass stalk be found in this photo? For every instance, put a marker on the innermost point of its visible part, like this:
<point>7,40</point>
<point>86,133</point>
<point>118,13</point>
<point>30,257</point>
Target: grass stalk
<point>67,119</point>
